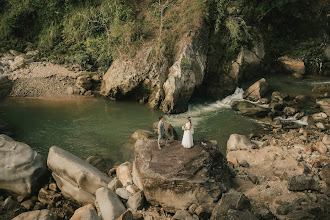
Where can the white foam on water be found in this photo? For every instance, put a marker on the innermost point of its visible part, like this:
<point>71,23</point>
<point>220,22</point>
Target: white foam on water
<point>200,112</point>
<point>302,121</point>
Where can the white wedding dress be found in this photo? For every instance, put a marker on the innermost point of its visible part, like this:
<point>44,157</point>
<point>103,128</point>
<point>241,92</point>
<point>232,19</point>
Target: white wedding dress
<point>187,140</point>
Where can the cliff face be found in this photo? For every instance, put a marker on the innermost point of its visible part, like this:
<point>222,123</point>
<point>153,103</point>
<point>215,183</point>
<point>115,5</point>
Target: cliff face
<point>150,80</point>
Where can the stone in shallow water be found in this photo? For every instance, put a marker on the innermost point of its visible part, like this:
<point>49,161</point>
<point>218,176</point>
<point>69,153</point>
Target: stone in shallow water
<point>75,177</point>
<point>175,177</point>
<point>21,168</point>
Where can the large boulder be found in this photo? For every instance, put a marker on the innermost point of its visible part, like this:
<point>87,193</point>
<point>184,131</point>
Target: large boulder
<point>170,131</point>
<point>176,177</point>
<point>257,91</point>
<point>21,169</point>
<point>249,109</point>
<point>230,200</point>
<point>5,86</point>
<point>18,63</point>
<point>75,177</point>
<point>294,66</point>
<point>238,142</point>
<point>186,74</point>
<point>110,205</point>
<point>36,215</point>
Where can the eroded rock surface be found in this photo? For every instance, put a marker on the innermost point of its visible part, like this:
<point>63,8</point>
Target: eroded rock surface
<point>176,177</point>
<point>75,177</point>
<point>21,168</point>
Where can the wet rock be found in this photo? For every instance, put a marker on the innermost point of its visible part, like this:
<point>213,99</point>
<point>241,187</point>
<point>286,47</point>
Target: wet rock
<point>170,131</point>
<point>257,91</point>
<point>181,179</point>
<point>75,177</point>
<point>182,215</point>
<point>84,82</point>
<point>136,202</point>
<point>22,169</point>
<point>122,193</point>
<point>124,173</point>
<point>18,63</point>
<point>79,212</point>
<point>143,135</point>
<point>302,182</point>
<point>115,184</point>
<point>320,147</point>
<point>238,142</point>
<point>279,96</point>
<point>109,204</point>
<point>36,215</point>
<point>249,109</point>
<point>293,66</point>
<point>5,85</point>
<point>230,200</point>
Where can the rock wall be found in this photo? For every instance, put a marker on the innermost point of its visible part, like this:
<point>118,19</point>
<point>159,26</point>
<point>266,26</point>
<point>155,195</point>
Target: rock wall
<point>150,79</point>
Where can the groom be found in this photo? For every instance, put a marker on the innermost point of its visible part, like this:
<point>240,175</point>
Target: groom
<point>161,132</point>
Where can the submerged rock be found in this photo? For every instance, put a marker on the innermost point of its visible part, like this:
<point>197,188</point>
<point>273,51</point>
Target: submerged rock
<point>21,168</point>
<point>176,177</point>
<point>249,109</point>
<point>75,177</point>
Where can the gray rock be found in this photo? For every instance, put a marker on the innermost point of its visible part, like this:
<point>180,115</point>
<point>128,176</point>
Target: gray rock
<point>115,184</point>
<point>239,142</point>
<point>110,206</point>
<point>302,182</point>
<point>75,177</point>
<point>198,175</point>
<point>182,215</point>
<point>231,200</point>
<point>90,214</point>
<point>136,202</point>
<point>257,91</point>
<point>249,109</point>
<point>21,168</point>
<point>36,215</point>
<point>122,193</point>
<point>124,173</point>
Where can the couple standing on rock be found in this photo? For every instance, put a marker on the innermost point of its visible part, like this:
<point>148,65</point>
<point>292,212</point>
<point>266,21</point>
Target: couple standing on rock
<point>187,139</point>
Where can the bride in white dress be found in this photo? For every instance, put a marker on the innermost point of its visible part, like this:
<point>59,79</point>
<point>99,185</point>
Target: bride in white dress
<point>187,140</point>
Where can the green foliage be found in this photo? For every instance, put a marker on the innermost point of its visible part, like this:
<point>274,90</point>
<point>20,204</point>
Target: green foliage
<point>185,64</point>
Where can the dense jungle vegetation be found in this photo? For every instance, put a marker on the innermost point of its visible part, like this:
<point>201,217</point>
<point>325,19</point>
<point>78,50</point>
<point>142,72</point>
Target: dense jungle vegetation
<point>92,33</point>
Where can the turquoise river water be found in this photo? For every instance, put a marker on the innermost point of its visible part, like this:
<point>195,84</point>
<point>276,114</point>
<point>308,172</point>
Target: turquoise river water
<point>95,126</point>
